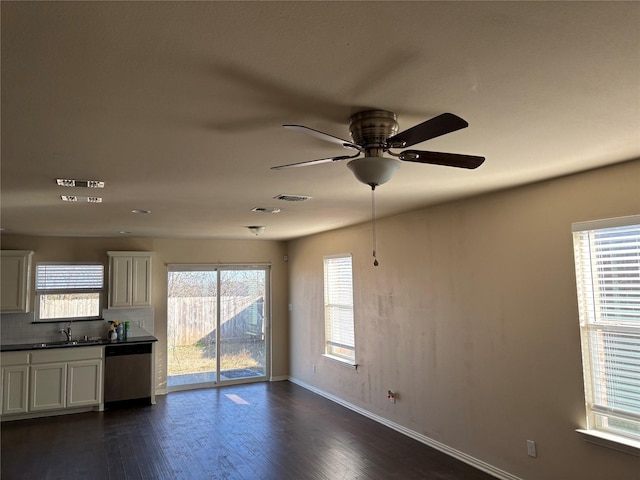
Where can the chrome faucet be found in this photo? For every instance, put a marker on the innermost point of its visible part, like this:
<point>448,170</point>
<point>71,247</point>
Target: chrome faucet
<point>67,332</point>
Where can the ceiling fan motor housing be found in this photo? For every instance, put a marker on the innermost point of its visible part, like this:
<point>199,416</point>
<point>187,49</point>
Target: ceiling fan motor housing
<point>371,129</point>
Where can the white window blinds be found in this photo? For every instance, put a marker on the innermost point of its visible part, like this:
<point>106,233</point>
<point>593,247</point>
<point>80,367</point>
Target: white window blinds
<point>69,276</point>
<point>607,257</point>
<point>338,307</point>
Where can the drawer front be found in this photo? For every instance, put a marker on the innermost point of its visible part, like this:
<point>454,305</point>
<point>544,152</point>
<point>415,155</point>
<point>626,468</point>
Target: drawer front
<point>14,358</point>
<point>66,354</point>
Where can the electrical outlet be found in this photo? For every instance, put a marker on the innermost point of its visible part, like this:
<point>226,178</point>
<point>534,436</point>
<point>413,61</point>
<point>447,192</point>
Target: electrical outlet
<point>315,368</point>
<point>531,449</point>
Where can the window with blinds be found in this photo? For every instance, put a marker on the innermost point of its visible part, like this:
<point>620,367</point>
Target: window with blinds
<point>338,308</point>
<point>607,258</point>
<point>69,291</point>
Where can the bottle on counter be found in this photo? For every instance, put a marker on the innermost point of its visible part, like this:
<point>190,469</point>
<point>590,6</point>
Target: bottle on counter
<point>120,330</point>
<point>112,334</point>
<point>127,329</point>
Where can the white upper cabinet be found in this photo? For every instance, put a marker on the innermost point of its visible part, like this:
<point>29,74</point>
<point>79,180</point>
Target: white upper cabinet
<point>16,281</point>
<point>129,279</point>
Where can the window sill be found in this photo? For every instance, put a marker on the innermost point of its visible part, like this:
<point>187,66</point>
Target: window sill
<point>341,361</point>
<point>609,440</point>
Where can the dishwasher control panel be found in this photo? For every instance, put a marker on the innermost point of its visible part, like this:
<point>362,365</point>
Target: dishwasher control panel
<point>127,349</point>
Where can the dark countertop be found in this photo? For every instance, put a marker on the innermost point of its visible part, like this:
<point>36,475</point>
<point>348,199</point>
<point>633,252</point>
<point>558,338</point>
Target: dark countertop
<point>80,343</point>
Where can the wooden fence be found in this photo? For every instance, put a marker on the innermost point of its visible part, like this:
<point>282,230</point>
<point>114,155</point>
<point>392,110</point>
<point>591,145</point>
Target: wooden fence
<point>68,306</point>
<point>192,320</point>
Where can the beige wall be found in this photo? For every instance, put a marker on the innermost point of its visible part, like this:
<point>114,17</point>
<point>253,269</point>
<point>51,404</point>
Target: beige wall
<point>169,251</point>
<point>472,318</point>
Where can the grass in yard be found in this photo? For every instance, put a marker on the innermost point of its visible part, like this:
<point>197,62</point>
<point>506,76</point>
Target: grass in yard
<point>200,358</point>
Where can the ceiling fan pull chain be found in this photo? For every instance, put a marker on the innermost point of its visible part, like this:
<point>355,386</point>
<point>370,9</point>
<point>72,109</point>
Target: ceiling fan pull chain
<point>373,219</point>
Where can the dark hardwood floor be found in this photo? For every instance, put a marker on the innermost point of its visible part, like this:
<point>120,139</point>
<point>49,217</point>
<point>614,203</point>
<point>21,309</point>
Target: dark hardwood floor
<point>275,431</point>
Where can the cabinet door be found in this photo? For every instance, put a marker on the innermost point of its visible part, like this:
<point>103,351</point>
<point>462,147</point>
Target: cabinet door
<point>85,383</point>
<point>15,389</point>
<point>48,386</point>
<point>15,269</point>
<point>141,281</point>
<point>120,282</point>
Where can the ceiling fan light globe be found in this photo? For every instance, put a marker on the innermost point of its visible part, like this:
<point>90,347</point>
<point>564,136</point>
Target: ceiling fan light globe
<point>374,171</point>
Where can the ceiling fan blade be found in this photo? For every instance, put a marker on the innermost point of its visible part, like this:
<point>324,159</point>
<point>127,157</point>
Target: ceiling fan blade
<point>314,162</point>
<point>438,158</point>
<point>323,136</point>
<point>440,125</point>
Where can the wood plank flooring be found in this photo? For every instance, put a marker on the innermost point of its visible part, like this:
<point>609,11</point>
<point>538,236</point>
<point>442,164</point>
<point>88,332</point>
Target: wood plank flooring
<point>270,431</point>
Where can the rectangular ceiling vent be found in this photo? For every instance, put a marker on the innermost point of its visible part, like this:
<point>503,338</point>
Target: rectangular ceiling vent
<point>67,182</point>
<point>266,210</point>
<point>292,198</point>
<point>75,198</point>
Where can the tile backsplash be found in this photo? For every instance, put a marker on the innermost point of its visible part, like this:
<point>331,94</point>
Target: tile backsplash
<point>18,328</point>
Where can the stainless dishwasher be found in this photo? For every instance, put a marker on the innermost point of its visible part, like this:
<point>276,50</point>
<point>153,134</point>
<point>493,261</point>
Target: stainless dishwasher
<point>127,374</point>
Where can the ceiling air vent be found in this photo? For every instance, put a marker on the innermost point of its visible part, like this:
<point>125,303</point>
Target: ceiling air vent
<point>291,198</point>
<point>266,209</point>
<point>75,198</point>
<point>67,182</point>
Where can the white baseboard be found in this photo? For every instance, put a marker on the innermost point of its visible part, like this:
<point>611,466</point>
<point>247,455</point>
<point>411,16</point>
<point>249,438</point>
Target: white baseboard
<point>280,378</point>
<point>463,457</point>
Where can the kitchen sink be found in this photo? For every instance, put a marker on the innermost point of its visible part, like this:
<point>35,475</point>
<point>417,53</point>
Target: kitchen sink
<point>69,343</point>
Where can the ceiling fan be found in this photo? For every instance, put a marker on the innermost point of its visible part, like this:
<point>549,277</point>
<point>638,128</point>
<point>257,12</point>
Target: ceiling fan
<point>374,132</point>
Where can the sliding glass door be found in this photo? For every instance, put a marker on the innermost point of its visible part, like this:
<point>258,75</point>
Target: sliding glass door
<point>217,324</point>
<point>242,314</point>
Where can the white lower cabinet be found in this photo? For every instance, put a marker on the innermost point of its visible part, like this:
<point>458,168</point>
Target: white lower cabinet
<point>84,383</point>
<point>48,387</point>
<point>51,380</point>
<point>15,388</point>
<point>15,382</point>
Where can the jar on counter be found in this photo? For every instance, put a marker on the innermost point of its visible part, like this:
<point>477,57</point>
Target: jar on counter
<point>127,329</point>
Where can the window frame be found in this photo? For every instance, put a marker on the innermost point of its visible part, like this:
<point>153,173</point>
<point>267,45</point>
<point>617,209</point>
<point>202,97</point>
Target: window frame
<point>609,330</point>
<point>331,343</point>
<point>40,292</point>
<point>263,335</point>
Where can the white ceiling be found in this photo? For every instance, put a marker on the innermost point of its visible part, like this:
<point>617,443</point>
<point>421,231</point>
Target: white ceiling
<point>178,106</point>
